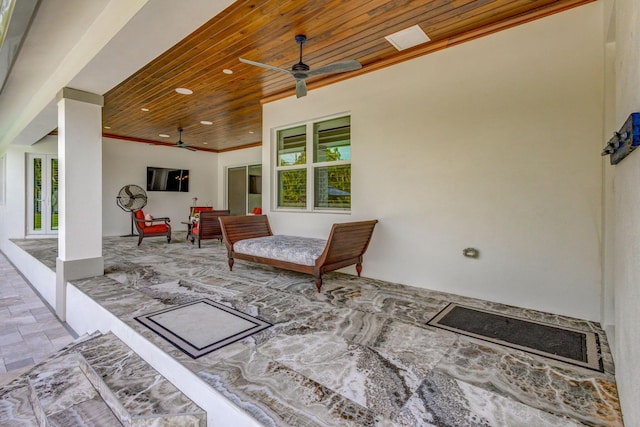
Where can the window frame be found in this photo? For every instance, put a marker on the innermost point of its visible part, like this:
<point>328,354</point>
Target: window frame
<point>310,166</point>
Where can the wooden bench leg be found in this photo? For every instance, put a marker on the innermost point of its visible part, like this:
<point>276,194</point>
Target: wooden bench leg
<point>318,282</point>
<point>359,268</point>
<point>230,263</point>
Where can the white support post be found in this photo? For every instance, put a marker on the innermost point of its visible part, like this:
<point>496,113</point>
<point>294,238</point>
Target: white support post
<point>79,190</point>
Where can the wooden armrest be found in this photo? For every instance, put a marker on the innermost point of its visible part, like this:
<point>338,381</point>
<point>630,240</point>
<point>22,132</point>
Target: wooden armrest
<point>161,219</point>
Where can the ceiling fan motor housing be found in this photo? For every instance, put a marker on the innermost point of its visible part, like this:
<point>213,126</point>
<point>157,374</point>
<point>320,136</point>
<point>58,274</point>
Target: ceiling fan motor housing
<point>300,69</point>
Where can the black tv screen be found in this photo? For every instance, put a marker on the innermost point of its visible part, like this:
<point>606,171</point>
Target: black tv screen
<point>167,179</point>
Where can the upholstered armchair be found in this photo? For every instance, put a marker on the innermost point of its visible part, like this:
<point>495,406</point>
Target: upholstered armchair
<point>208,226</point>
<point>149,227</point>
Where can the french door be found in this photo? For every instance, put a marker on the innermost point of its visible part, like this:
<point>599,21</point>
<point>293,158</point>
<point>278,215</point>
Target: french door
<point>42,194</point>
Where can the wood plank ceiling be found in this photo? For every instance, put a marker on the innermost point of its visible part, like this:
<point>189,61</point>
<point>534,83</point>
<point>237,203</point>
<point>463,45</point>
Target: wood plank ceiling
<point>264,31</point>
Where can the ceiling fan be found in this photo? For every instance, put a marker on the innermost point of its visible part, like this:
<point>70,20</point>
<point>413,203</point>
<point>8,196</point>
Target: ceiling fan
<point>181,144</point>
<point>301,71</point>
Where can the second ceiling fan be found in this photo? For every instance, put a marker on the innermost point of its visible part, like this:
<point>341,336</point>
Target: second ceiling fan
<point>181,144</point>
<point>301,71</point>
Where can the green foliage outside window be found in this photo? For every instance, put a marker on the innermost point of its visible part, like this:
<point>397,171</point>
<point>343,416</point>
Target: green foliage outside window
<point>292,188</point>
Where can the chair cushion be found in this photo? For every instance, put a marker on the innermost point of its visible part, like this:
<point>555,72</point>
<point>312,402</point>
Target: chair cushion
<point>139,214</point>
<point>194,229</point>
<point>158,228</point>
<point>198,209</point>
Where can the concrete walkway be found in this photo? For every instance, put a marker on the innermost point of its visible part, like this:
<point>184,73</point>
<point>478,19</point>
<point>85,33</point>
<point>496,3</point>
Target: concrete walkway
<point>29,331</point>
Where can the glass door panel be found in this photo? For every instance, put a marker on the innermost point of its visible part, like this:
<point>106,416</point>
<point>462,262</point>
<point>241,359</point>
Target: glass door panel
<point>244,189</point>
<point>42,194</point>
<point>255,187</point>
<point>36,199</point>
<point>237,190</point>
<point>53,196</point>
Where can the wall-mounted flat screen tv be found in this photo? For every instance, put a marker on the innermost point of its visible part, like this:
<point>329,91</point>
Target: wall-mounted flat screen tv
<point>167,179</point>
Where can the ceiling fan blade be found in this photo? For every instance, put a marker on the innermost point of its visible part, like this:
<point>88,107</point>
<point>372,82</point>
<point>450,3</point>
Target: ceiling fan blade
<point>259,64</point>
<point>338,67</point>
<point>181,144</point>
<point>301,88</point>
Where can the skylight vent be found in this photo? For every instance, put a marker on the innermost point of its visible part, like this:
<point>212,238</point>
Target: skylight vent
<point>409,37</point>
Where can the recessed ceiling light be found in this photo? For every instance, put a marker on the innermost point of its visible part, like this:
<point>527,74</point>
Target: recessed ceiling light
<point>227,71</point>
<point>164,135</point>
<point>409,37</point>
<point>205,143</point>
<point>144,109</point>
<point>252,132</point>
<point>206,122</point>
<point>184,91</point>
<point>107,127</point>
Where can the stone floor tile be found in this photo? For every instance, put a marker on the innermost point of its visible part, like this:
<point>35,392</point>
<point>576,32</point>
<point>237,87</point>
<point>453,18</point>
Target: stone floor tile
<point>10,338</point>
<point>20,364</point>
<point>56,332</point>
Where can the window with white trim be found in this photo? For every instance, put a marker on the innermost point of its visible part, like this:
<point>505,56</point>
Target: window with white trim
<point>313,166</point>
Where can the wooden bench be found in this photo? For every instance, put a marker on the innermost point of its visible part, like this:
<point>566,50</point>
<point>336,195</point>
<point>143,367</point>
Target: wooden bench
<point>345,246</point>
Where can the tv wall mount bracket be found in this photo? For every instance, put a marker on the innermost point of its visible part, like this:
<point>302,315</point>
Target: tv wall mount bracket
<point>625,140</point>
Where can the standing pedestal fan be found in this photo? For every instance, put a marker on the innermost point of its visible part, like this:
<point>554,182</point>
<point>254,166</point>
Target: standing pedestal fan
<point>131,198</point>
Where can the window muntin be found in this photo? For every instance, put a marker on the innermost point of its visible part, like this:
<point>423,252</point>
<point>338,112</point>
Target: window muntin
<point>321,181</point>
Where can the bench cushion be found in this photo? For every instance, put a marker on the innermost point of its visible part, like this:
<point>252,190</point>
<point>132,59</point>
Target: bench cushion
<point>298,250</point>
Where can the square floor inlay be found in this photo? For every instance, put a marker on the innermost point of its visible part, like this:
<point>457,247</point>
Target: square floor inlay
<point>202,326</point>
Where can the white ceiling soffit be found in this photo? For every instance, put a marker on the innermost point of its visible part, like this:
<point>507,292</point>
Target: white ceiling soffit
<point>154,28</point>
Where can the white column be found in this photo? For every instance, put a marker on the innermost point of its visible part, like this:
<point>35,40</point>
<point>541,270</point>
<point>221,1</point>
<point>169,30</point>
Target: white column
<point>79,190</point>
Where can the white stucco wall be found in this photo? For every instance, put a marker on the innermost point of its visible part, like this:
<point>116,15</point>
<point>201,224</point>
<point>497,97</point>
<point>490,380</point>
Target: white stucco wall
<point>493,144</point>
<point>626,218</point>
<point>13,213</point>
<point>126,163</point>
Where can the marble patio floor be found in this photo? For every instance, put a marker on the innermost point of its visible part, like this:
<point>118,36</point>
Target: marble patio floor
<point>359,353</point>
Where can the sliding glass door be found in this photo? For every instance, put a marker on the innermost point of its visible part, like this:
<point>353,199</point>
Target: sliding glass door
<point>244,189</point>
<point>42,194</point>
